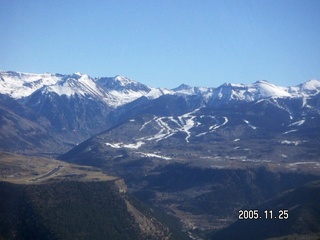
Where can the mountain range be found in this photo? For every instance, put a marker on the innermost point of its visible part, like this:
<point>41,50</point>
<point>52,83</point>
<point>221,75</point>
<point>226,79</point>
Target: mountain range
<point>200,154</point>
<point>64,110</point>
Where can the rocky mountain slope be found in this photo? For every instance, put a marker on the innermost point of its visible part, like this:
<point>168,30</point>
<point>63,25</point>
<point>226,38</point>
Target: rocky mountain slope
<point>21,129</point>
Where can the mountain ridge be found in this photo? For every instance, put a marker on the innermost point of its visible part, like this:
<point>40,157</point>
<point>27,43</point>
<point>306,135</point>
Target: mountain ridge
<point>72,108</point>
<point>14,83</point>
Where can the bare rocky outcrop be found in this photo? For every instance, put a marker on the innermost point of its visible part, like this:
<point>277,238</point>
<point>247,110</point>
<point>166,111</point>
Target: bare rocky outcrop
<point>150,227</point>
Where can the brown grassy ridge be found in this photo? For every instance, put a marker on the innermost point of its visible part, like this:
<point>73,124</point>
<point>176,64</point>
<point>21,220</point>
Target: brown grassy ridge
<point>20,169</point>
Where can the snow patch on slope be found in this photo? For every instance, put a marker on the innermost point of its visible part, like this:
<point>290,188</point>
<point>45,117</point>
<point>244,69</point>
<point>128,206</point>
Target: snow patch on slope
<point>296,143</point>
<point>153,155</point>
<point>115,145</point>
<point>249,124</point>
<point>216,126</point>
<point>135,145</point>
<point>298,123</point>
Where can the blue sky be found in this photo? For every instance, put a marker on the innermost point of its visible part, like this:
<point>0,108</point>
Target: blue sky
<point>165,43</point>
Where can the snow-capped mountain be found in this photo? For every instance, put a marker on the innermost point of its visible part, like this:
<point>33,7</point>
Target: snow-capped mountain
<point>227,92</point>
<point>167,128</point>
<point>121,83</point>
<point>309,88</point>
<point>76,84</point>
<point>233,120</point>
<point>121,90</point>
<point>77,106</point>
<point>113,91</point>
<point>69,108</point>
<point>18,85</point>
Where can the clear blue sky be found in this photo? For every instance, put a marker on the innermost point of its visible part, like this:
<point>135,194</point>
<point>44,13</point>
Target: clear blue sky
<point>165,43</point>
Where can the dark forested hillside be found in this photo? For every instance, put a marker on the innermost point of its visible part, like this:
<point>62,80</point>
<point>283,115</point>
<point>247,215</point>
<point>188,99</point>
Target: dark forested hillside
<point>64,210</point>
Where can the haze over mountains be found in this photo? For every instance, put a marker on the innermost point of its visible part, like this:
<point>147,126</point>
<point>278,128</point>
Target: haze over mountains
<point>199,154</point>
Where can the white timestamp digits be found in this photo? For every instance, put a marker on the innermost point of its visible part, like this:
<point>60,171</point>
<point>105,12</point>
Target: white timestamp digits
<point>268,214</point>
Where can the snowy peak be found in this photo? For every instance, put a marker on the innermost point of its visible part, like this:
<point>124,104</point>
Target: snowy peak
<point>121,83</point>
<point>19,85</point>
<point>182,87</point>
<point>158,92</point>
<point>80,84</point>
<point>125,82</point>
<point>230,92</point>
<point>311,87</point>
<point>114,91</point>
<point>264,89</point>
<point>122,90</point>
<point>248,92</point>
<point>185,89</point>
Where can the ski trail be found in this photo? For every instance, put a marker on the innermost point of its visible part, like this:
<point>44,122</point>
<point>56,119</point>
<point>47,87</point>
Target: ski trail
<point>216,126</point>
<point>184,123</point>
<point>249,124</point>
<point>146,123</point>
